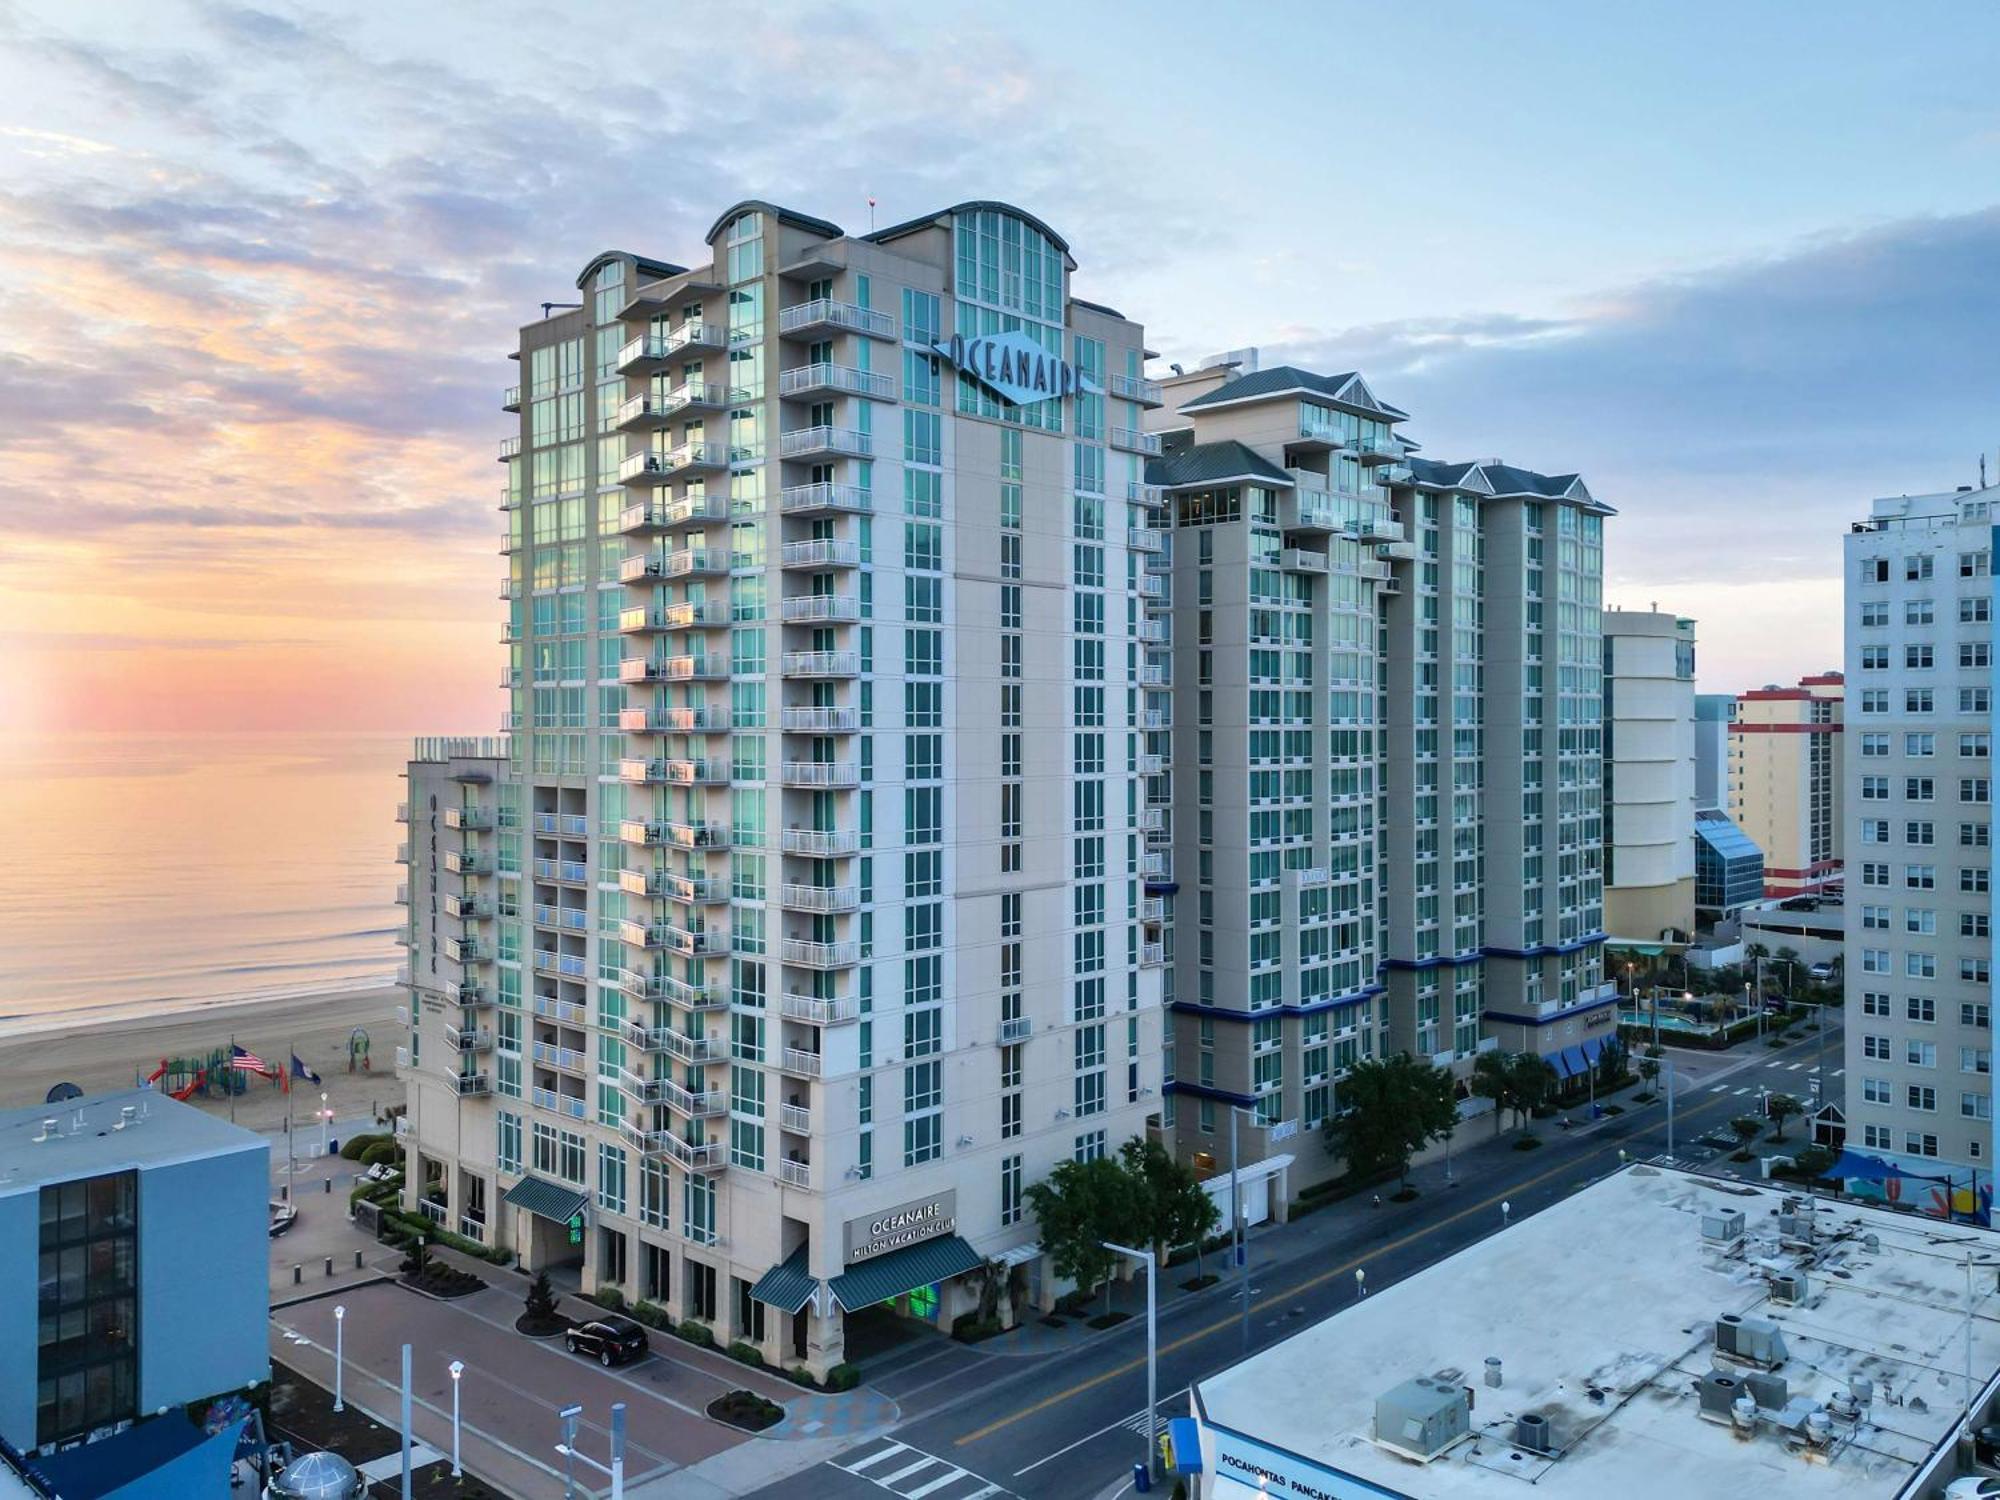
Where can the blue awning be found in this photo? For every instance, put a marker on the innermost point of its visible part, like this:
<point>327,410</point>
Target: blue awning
<point>789,1286</point>
<point>904,1270</point>
<point>1573,1060</point>
<point>1591,1049</point>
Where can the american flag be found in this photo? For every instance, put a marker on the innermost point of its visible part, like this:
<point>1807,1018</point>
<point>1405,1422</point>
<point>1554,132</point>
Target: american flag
<point>248,1062</point>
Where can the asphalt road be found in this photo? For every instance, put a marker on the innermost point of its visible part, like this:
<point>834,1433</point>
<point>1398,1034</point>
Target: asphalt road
<point>989,1426</point>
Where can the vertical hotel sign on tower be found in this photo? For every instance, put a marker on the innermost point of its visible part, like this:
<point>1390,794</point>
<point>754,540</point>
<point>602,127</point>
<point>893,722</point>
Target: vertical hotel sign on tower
<point>1015,368</point>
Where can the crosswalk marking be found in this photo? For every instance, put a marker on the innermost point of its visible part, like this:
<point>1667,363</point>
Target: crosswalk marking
<point>1795,1067</point>
<point>875,1458</point>
<point>929,1477</point>
<point>1741,1092</point>
<point>1838,1071</point>
<point>1720,1088</point>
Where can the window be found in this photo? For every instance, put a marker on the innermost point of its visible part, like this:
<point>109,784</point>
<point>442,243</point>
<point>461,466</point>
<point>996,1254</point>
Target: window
<point>1919,788</point>
<point>1875,1048</point>
<point>1876,1091</point>
<point>1975,700</point>
<point>1975,611</point>
<point>86,1348</point>
<point>1874,658</point>
<point>1874,746</point>
<point>1921,1008</point>
<point>1917,658</point>
<point>1010,1190</point>
<point>1917,1143</point>
<point>1917,567</point>
<point>1975,746</point>
<point>1976,1106</point>
<point>1874,570</point>
<point>1874,700</point>
<point>1918,612</point>
<point>1974,789</point>
<point>1874,1003</point>
<point>1975,564</point>
<point>1877,1138</point>
<point>1920,1054</point>
<point>1921,1096</point>
<point>1918,700</point>
<point>1875,612</point>
<point>1920,744</point>
<point>1975,654</point>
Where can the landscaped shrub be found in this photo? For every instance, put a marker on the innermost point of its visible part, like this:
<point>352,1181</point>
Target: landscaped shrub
<point>696,1333</point>
<point>650,1313</point>
<point>747,1410</point>
<point>609,1297</point>
<point>970,1328</point>
<point>1199,1283</point>
<point>1108,1320</point>
<point>1528,1143</point>
<point>354,1145</point>
<point>378,1152</point>
<point>746,1354</point>
<point>843,1378</point>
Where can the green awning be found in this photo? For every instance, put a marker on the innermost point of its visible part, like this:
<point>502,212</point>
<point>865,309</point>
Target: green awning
<point>788,1287</point>
<point>545,1199</point>
<point>904,1270</point>
<point>1644,950</point>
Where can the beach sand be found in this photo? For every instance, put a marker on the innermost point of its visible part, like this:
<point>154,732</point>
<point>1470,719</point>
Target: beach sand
<point>115,1054</point>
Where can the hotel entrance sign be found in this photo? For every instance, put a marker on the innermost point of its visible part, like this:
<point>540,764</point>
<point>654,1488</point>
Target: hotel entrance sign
<point>899,1227</point>
<point>1015,368</point>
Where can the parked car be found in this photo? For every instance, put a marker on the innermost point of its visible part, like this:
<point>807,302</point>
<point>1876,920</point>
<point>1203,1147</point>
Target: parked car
<point>1821,973</point>
<point>610,1341</point>
<point>283,1216</point>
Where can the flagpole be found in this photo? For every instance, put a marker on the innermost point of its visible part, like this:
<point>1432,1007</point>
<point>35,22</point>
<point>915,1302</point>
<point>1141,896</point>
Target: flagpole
<point>229,1079</point>
<point>291,1163</point>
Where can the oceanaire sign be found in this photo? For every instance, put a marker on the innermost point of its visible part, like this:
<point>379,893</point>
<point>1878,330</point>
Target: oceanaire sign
<point>1016,368</point>
<point>905,1224</point>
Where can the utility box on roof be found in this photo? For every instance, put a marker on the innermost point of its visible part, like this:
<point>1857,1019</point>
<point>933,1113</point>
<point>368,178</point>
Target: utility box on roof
<point>1421,1418</point>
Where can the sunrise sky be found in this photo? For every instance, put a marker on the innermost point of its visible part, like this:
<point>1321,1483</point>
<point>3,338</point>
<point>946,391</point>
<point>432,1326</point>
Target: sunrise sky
<point>260,267</point>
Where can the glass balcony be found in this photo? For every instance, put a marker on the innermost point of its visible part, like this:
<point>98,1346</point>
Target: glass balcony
<point>1297,560</point>
<point>1016,1031</point>
<point>652,466</point>
<point>510,449</point>
<point>819,898</point>
<point>469,819</point>
<point>807,954</point>
<point>1132,440</point>
<point>473,1083</point>
<point>510,398</point>
<point>474,1039</point>
<point>1380,450</point>
<point>568,1012</point>
<point>821,843</point>
<point>800,1063</point>
<point>821,609</point>
<point>797,1118</point>
<point>830,774</point>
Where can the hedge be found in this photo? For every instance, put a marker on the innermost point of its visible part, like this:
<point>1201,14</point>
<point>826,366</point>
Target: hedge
<point>414,1225</point>
<point>746,1354</point>
<point>354,1145</point>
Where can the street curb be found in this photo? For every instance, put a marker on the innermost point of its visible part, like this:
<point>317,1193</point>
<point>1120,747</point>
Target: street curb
<point>333,1291</point>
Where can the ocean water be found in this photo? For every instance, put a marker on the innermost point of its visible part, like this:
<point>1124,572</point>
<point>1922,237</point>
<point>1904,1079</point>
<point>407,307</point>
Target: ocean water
<point>163,871</point>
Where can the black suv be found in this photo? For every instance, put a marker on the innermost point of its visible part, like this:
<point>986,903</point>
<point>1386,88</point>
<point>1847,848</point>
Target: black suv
<point>611,1341</point>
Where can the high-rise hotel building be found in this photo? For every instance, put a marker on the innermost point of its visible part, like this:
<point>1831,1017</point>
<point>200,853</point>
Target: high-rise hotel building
<point>1785,778</point>
<point>814,906</point>
<point>1387,753</point>
<point>1919,793</point>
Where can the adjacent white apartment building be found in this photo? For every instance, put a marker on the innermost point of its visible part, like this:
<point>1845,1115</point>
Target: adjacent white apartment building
<point>815,905</point>
<point>1918,794</point>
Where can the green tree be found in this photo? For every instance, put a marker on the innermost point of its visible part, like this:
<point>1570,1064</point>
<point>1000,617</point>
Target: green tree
<point>1746,1128</point>
<point>1080,1205</point>
<point>1611,1060</point>
<point>541,1300</point>
<point>1490,1081</point>
<point>1178,1209</point>
<point>1781,1107</point>
<point>1390,1110</point>
<point>1649,1070</point>
<point>1532,1078</point>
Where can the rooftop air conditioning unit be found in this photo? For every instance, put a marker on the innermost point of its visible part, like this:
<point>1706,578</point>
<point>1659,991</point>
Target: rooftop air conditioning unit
<point>1788,1288</point>
<point>1755,1341</point>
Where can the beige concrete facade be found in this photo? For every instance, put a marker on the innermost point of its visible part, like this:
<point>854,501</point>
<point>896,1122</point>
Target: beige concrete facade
<point>1649,776</point>
<point>1785,758</point>
<point>829,892</point>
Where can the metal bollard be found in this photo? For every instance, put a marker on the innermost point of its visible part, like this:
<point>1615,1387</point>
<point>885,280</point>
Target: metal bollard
<point>329,1265</point>
<point>357,1260</point>
<point>326,1183</point>
<point>298,1274</point>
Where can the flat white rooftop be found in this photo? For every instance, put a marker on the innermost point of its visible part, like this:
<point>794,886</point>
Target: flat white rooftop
<point>1602,1311</point>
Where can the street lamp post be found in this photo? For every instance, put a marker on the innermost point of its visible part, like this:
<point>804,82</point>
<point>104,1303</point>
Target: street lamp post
<point>567,1448</point>
<point>457,1369</point>
<point>339,1354</point>
<point>1152,1343</point>
<point>1239,1224</point>
<point>325,1115</point>
<point>614,1471</point>
<point>406,1422</point>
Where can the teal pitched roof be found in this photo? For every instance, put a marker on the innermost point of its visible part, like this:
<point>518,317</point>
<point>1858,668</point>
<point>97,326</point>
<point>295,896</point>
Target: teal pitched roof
<point>1346,389</point>
<point>1199,465</point>
<point>789,1286</point>
<point>546,1200</point>
<point>904,1270</point>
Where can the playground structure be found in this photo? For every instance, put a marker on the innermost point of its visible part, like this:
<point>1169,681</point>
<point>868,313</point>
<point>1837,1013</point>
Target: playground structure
<point>208,1075</point>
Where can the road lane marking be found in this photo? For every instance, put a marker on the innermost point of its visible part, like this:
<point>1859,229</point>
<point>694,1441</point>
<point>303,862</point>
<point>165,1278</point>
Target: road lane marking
<point>874,1458</point>
<point>946,1473</point>
<point>1344,1269</point>
<point>923,1463</point>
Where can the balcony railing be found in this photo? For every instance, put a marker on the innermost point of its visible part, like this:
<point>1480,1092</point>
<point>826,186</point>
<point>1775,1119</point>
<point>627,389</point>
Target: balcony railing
<point>653,351</point>
<point>1152,955</point>
<point>819,719</point>
<point>1132,440</point>
<point>799,1062</point>
<point>824,312</point>
<point>674,515</point>
<point>652,466</point>
<point>819,898</point>
<point>815,499</point>
<point>820,843</point>
<point>569,1012</point>
<point>821,1010</point>
<point>1153,909</point>
<point>469,819</point>
<point>796,1174</point>
<point>653,409</point>
<point>553,1055</point>
<point>476,1039</point>
<point>808,380</point>
<point>473,1083</point>
<point>563,1104</point>
<point>1016,1031</point>
<point>797,1118</point>
<point>694,1049</point>
<point>1135,388</point>
<point>821,663</point>
<point>821,552</point>
<point>821,773</point>
<point>809,954</point>
<point>821,609</point>
<point>811,442</point>
<point>694,1104</point>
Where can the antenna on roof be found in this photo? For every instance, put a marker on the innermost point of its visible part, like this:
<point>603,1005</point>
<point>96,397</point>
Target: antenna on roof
<point>546,306</point>
<point>871,214</point>
<point>1982,471</point>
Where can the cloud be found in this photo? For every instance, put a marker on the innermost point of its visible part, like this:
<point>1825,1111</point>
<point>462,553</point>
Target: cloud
<point>1739,418</point>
